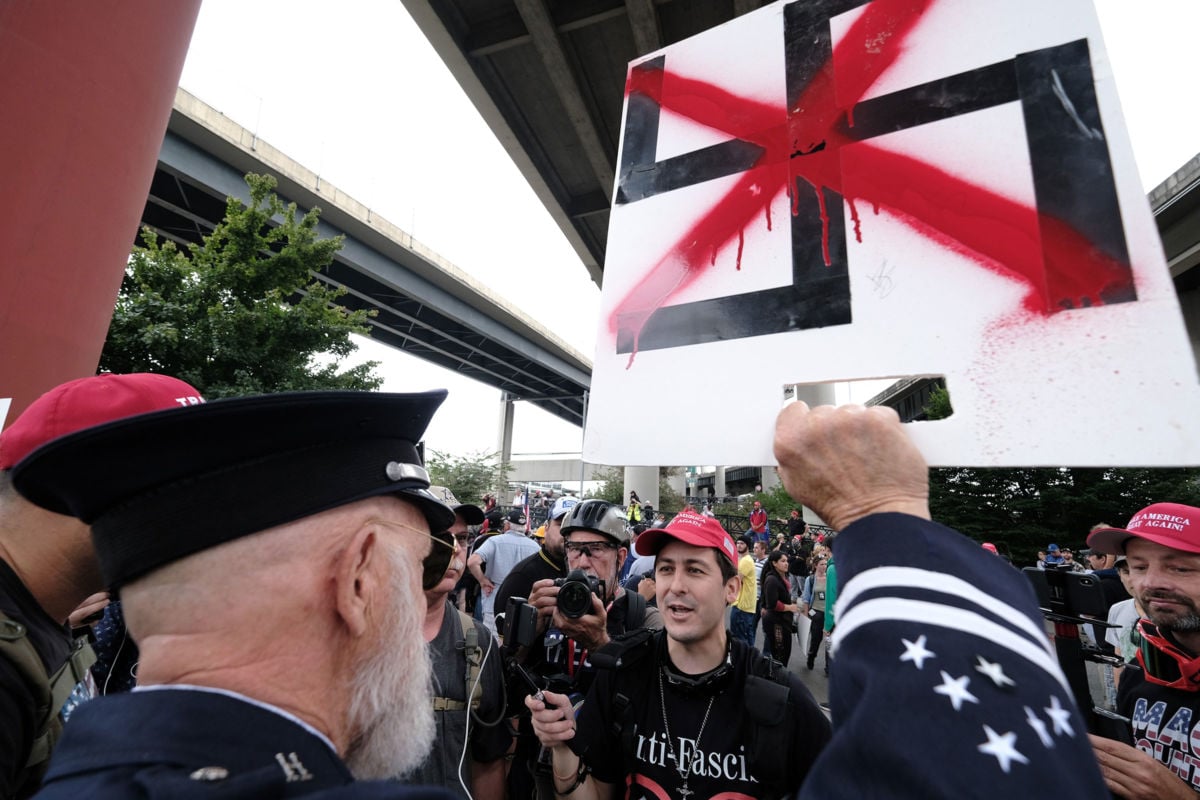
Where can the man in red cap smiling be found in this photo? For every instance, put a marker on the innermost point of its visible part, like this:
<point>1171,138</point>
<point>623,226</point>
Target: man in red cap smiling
<point>1161,545</point>
<point>689,711</point>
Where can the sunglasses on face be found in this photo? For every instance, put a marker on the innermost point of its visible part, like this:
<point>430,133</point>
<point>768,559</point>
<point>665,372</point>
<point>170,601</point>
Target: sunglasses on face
<point>589,549</point>
<point>441,553</point>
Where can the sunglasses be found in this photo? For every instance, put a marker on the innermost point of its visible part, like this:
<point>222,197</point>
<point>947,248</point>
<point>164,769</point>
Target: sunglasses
<point>434,565</point>
<point>589,549</point>
<point>1163,662</point>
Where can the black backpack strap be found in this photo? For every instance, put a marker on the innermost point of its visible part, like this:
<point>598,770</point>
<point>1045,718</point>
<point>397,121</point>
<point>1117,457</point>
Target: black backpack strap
<point>635,611</point>
<point>768,699</point>
<point>629,656</point>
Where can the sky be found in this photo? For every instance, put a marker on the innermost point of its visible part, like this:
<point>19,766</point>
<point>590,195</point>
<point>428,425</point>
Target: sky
<point>353,91</point>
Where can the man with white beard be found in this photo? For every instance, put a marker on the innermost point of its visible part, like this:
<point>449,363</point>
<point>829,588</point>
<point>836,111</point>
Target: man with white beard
<point>271,553</point>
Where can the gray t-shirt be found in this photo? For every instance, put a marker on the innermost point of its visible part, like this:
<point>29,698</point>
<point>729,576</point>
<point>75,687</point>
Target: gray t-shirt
<point>449,677</point>
<point>500,554</point>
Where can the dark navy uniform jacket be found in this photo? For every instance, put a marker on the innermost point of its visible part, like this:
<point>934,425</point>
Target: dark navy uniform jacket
<point>943,684</point>
<point>184,744</point>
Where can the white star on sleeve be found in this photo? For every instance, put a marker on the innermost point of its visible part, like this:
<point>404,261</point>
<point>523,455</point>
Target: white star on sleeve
<point>956,690</point>
<point>1060,716</point>
<point>994,671</point>
<point>1039,727</point>
<point>916,651</point>
<point>1001,746</point>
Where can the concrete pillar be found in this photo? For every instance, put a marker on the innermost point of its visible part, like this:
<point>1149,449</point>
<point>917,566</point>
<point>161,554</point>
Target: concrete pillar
<point>770,478</point>
<point>86,94</point>
<point>679,483</point>
<point>504,444</point>
<point>644,481</point>
<point>719,483</point>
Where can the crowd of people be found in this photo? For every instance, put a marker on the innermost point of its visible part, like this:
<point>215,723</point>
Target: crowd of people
<point>281,603</point>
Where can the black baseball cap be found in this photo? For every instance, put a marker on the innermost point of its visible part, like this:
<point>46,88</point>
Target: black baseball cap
<point>161,486</point>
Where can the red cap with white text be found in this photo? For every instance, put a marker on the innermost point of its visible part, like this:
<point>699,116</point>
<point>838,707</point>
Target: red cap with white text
<point>689,528</point>
<point>1170,524</point>
<point>86,402</point>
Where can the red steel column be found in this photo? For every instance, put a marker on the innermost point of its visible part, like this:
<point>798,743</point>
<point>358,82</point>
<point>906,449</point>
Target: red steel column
<point>86,89</point>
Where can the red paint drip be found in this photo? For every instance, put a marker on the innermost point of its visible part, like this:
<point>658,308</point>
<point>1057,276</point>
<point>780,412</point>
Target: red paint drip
<point>741,244</point>
<point>768,209</point>
<point>854,218</point>
<point>824,223</point>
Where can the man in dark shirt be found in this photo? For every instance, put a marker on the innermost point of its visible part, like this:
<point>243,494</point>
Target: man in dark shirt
<point>48,567</point>
<point>467,757</point>
<point>687,725</point>
<point>1161,545</point>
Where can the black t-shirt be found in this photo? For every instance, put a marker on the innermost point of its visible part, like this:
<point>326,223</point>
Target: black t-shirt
<point>1164,723</point>
<point>718,763</point>
<point>775,590</point>
<point>52,642</point>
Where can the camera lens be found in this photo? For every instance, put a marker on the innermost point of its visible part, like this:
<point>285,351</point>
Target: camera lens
<point>574,599</point>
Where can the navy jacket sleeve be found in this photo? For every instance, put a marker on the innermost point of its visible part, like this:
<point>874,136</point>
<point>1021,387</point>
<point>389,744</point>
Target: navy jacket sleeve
<point>945,684</point>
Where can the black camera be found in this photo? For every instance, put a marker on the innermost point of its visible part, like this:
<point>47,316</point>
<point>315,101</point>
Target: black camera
<point>575,593</point>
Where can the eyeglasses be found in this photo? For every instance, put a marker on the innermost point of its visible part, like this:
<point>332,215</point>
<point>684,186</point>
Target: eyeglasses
<point>589,549</point>
<point>1163,662</point>
<point>434,565</point>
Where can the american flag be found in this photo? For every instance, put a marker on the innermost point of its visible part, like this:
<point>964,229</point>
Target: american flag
<point>942,682</point>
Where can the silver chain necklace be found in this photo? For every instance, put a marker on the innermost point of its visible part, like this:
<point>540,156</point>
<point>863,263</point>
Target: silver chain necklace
<point>680,767</point>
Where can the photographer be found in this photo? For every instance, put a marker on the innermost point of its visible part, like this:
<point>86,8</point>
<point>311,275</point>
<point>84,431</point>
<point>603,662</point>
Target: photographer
<point>596,544</point>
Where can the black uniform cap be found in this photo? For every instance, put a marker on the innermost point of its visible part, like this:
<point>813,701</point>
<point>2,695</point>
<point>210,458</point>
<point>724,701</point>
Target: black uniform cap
<point>158,487</point>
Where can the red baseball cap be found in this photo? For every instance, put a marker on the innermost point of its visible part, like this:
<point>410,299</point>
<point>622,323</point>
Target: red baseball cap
<point>1169,524</point>
<point>689,528</point>
<point>90,401</point>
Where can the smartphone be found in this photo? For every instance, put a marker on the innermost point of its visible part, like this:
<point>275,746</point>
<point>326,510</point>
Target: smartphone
<point>1112,725</point>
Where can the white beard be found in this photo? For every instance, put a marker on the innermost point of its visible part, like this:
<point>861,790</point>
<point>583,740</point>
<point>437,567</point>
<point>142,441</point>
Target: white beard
<point>390,712</point>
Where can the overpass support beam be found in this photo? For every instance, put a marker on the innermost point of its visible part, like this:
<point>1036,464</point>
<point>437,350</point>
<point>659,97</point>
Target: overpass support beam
<point>87,91</point>
<point>719,483</point>
<point>644,481</point>
<point>504,444</point>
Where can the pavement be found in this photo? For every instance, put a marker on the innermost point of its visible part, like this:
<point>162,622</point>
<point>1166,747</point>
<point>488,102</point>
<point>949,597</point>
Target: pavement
<point>814,679</point>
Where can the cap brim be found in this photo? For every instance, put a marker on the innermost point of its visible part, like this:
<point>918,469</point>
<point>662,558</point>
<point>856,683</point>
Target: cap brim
<point>1115,540</point>
<point>471,514</point>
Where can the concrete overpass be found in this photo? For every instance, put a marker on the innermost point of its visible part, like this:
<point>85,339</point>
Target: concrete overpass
<point>426,306</point>
<point>552,470</point>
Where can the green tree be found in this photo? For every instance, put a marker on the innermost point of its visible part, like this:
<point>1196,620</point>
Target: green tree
<point>612,486</point>
<point>240,313</point>
<point>669,500</point>
<point>938,406</point>
<point>470,477</point>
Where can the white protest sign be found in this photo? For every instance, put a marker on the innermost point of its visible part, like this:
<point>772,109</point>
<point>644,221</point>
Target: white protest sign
<point>811,194</point>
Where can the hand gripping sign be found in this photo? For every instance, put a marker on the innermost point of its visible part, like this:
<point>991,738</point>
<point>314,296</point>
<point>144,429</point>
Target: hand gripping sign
<point>829,190</point>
